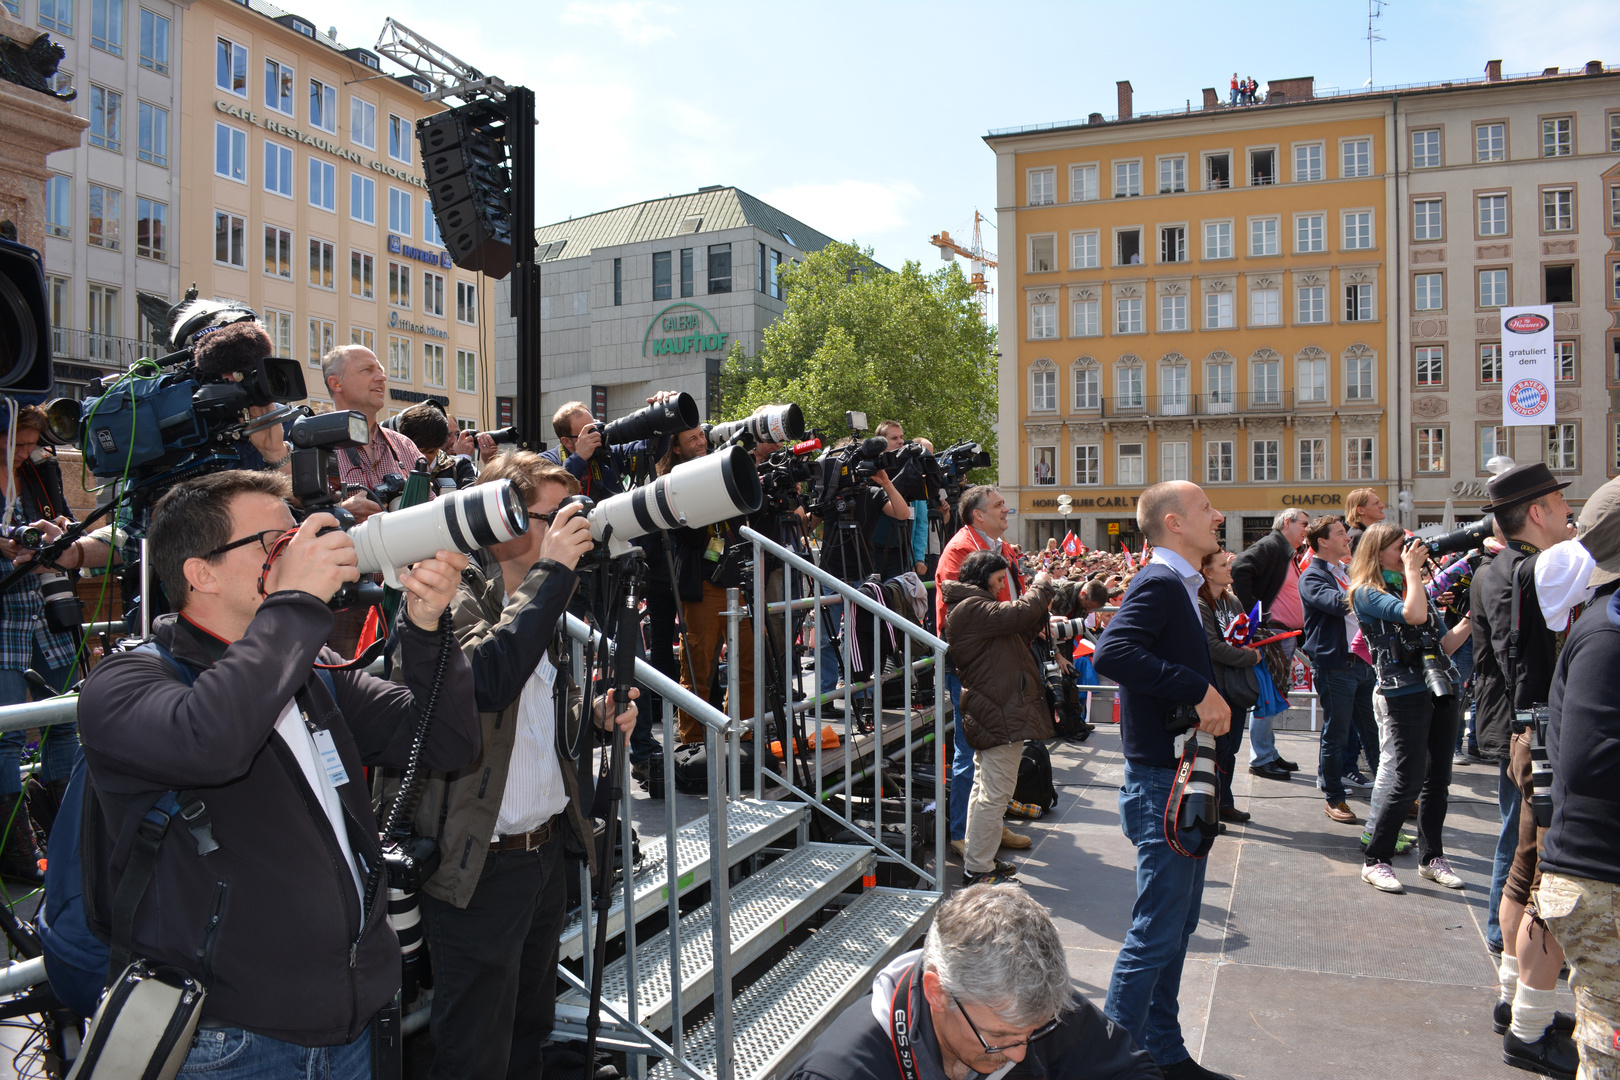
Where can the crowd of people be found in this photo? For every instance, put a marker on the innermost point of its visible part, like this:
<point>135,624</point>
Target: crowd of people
<point>1244,91</point>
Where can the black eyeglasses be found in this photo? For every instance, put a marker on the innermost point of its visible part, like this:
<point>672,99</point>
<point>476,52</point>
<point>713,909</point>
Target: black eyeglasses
<point>1039,1033</point>
<point>543,517</point>
<point>258,537</point>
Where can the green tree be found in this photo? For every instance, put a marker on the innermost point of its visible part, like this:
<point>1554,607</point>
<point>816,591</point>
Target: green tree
<point>903,346</point>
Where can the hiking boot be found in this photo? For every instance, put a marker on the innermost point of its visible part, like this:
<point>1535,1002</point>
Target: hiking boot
<point>1381,877</point>
<point>1439,871</point>
<point>650,775</point>
<point>1553,1054</point>
<point>1016,841</point>
<point>1341,812</point>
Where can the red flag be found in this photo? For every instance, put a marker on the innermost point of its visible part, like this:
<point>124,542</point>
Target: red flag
<point>1071,544</point>
<point>1124,547</point>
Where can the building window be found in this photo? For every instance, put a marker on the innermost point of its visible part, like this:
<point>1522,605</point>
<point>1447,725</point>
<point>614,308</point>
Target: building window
<point>362,196</point>
<point>1264,308</point>
<point>399,285</point>
<point>154,54</point>
<point>1042,254</point>
<point>1128,464</point>
<point>1614,206</point>
<point>1564,368</point>
<point>59,206</point>
<point>1128,387</point>
<point>1127,178</point>
<point>1490,362</point>
<point>1266,382</point>
<point>323,185</point>
<point>1310,304</point>
<point>1614,133</point>
<point>399,211</point>
<point>432,364</point>
<point>399,359</point>
<point>1043,320</point>
<point>1493,215</point>
<point>105,217</point>
<point>1172,313</point>
<point>433,294</point>
<point>1262,167</point>
<point>1172,175</point>
<point>1082,183</point>
<point>1358,303</point>
<point>1217,172</point>
<point>1263,236</point>
<point>1218,462</point>
<point>230,66</point>
<point>322,339</point>
<point>1218,311</point>
<point>1044,466</point>
<point>230,153</point>
<point>278,252</point>
<point>686,271</point>
<point>1493,288</point>
<point>1087,465</point>
<point>1429,365</point>
<point>1313,459</point>
<point>106,118</point>
<point>467,303</point>
<point>1490,142</point>
<point>1358,377</point>
<point>1558,136</point>
<point>278,87</point>
<point>1558,284</point>
<point>1563,441</point>
<point>1173,244</point>
<point>1043,390</point>
<point>230,239</point>
<point>466,371</point>
<point>1558,210</point>
<point>1431,449</point>
<point>1428,219</point>
<point>1358,233</point>
<point>719,268</point>
<point>399,138</point>
<point>363,275</point>
<point>1087,389</point>
<point>278,324</point>
<point>104,323</point>
<point>1217,239</point>
<point>1310,383</point>
<point>278,169</point>
<point>1310,233</point>
<point>1175,394</point>
<point>1307,163</point>
<point>1042,187</point>
<point>1084,316</point>
<point>1220,387</point>
<point>430,225</point>
<point>1129,244</point>
<point>1355,157</point>
<point>1493,442</point>
<point>323,264</point>
<point>1172,461</point>
<point>662,285</point>
<point>1428,292</point>
<point>363,122</point>
<point>1083,250</point>
<point>107,26</point>
<point>151,229</point>
<point>1128,315</point>
<point>1358,458</point>
<point>1426,149</point>
<point>323,106</point>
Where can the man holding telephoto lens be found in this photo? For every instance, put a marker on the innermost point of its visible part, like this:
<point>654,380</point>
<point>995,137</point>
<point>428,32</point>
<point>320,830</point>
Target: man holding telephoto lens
<point>228,710</point>
<point>494,910</point>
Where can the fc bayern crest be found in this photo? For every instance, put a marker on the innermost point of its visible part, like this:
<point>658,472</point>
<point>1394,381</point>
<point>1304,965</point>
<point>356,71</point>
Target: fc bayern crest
<point>1529,397</point>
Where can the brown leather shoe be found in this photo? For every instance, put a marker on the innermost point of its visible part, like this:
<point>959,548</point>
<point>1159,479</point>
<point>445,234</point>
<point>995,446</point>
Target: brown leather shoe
<point>1341,812</point>
<point>1016,841</point>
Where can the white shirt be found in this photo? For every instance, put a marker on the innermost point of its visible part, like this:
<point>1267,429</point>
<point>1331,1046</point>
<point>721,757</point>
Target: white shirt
<point>295,733</point>
<point>996,546</point>
<point>1341,574</point>
<point>534,785</point>
<point>1186,571</point>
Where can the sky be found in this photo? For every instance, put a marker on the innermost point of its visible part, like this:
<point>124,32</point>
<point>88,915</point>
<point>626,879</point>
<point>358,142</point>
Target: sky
<point>866,120</point>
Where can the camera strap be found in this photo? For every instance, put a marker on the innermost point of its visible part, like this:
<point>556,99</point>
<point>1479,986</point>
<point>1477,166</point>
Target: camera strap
<point>902,1022</point>
<point>1178,792</point>
<point>1516,619</point>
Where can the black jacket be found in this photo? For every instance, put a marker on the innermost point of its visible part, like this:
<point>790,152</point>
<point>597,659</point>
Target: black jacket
<point>1491,595</point>
<point>1583,747</point>
<point>271,921</point>
<point>1325,603</point>
<point>1261,569</point>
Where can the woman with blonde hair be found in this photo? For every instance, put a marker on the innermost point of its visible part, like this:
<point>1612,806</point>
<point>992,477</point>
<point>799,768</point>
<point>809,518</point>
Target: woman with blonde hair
<point>1417,699</point>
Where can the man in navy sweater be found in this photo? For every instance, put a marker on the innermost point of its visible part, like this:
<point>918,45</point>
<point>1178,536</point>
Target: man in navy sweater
<point>1155,648</point>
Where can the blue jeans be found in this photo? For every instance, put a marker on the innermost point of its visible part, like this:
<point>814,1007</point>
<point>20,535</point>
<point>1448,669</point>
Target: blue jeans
<point>235,1054</point>
<point>961,760</point>
<point>1169,889</point>
<point>1347,725</point>
<point>1262,742</point>
<point>1508,799</point>
<point>58,743</point>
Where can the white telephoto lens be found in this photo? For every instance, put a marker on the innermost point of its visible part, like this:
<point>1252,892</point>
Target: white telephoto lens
<point>694,494</point>
<point>456,521</point>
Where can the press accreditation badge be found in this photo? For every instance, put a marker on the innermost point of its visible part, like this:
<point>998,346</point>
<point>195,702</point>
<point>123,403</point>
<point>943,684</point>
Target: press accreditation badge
<point>546,672</point>
<point>330,761</point>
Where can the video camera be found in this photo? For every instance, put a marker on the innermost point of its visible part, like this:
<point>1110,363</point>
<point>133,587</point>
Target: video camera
<point>956,462</point>
<point>782,477</point>
<point>840,472</point>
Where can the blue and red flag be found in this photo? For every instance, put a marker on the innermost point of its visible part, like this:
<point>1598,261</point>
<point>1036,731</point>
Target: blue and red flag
<point>1071,544</point>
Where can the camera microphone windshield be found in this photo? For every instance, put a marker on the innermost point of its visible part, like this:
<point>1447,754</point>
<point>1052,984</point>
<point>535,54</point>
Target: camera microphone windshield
<point>776,424</point>
<point>465,521</point>
<point>693,494</point>
<point>670,417</point>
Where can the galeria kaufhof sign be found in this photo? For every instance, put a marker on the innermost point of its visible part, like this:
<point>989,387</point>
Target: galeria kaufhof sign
<point>690,334</point>
<point>330,147</point>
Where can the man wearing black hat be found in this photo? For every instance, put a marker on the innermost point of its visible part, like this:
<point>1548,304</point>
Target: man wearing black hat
<point>1515,654</point>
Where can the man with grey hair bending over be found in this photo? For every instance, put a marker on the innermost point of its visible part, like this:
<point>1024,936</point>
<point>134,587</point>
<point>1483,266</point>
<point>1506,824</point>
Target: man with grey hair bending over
<point>988,994</point>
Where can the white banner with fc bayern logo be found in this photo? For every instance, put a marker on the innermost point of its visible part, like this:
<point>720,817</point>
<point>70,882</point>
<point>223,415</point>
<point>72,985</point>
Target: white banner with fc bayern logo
<point>1528,368</point>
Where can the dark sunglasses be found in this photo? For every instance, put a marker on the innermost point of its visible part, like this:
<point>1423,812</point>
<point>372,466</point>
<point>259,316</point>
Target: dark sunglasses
<point>1040,1032</point>
<point>258,537</point>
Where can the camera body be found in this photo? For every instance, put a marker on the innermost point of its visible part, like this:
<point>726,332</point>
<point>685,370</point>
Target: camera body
<point>783,475</point>
<point>388,491</point>
<point>842,471</point>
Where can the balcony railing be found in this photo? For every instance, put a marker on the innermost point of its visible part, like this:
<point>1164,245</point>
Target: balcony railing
<point>1217,403</point>
<point>104,349</point>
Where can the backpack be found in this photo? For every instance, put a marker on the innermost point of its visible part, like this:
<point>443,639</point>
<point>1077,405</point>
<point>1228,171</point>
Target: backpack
<point>1035,777</point>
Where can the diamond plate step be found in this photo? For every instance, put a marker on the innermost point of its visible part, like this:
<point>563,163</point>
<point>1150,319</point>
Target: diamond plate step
<point>750,826</point>
<point>765,907</point>
<point>775,1020</point>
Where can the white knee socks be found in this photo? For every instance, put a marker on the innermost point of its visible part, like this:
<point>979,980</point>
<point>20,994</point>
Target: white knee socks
<point>1532,1012</point>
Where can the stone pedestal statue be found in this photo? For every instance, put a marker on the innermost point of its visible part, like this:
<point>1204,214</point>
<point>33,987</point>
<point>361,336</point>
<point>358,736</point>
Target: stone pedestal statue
<point>33,122</point>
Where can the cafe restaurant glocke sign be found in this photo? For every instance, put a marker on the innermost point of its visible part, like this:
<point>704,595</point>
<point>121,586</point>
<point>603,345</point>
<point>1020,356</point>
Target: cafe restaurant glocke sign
<point>270,124</point>
<point>691,336</point>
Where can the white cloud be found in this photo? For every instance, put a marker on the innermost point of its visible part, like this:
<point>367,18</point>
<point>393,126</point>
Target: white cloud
<point>847,209</point>
<point>633,20</point>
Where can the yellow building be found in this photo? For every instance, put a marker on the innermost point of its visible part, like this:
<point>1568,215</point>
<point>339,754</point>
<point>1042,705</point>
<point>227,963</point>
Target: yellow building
<point>300,193</point>
<point>1200,295</point>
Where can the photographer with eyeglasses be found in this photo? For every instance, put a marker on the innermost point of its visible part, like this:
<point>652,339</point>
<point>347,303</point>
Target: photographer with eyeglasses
<point>988,994</point>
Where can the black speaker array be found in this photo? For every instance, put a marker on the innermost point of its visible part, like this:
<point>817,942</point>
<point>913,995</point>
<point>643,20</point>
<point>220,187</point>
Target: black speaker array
<point>464,161</point>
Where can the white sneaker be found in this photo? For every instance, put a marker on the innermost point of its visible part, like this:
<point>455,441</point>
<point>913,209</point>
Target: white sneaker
<point>1439,871</point>
<point>1381,877</point>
